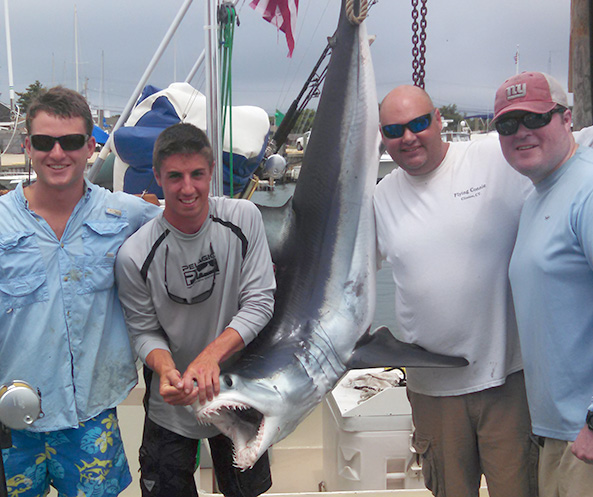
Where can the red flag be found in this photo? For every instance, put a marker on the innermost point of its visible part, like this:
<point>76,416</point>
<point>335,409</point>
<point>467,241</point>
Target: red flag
<point>282,14</point>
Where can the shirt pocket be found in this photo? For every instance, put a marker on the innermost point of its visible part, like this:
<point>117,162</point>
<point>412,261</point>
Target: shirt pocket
<point>23,278</point>
<point>102,240</point>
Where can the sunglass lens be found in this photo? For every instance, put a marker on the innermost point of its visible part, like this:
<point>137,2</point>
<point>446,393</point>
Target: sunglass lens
<point>72,142</point>
<point>419,124</point>
<point>507,127</point>
<point>43,143</point>
<point>534,121</point>
<point>393,130</point>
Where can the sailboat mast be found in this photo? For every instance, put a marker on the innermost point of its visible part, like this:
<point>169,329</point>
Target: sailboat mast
<point>9,55</point>
<point>102,108</point>
<point>76,45</point>
<point>213,112</point>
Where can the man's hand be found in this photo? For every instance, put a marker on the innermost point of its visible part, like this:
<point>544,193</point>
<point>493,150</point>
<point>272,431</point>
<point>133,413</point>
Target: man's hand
<point>172,389</point>
<point>583,445</point>
<point>171,386</point>
<point>205,369</point>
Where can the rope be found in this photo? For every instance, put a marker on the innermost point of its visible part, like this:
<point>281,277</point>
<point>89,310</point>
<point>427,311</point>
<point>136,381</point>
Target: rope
<point>363,11</point>
<point>228,17</point>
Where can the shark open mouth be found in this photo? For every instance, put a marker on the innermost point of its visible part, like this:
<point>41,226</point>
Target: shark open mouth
<point>243,424</point>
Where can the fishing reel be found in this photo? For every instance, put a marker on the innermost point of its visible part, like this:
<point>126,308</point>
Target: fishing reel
<point>20,405</point>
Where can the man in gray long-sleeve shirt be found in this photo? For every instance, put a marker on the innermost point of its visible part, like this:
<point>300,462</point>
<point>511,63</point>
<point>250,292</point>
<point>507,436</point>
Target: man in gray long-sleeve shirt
<point>196,285</point>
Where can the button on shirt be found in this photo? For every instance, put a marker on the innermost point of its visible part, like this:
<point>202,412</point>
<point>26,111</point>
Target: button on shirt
<point>61,325</point>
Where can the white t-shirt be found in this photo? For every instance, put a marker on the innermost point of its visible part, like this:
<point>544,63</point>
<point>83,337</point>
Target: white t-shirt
<point>448,236</point>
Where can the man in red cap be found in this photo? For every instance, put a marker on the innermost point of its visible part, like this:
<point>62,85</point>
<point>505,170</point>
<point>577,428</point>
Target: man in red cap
<point>551,274</point>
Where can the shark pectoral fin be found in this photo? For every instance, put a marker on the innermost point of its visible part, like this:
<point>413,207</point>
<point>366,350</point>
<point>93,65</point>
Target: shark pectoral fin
<point>381,349</point>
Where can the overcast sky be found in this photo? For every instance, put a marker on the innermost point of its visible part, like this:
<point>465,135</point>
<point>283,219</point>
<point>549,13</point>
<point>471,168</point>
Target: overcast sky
<point>471,46</point>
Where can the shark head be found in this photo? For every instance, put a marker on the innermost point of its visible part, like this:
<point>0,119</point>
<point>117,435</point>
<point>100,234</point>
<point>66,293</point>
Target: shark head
<point>257,410</point>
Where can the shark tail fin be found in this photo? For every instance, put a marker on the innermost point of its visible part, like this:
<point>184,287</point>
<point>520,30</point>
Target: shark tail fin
<point>381,349</point>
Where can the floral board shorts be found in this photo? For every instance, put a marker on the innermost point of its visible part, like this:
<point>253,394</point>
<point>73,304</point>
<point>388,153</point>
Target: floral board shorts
<point>78,462</point>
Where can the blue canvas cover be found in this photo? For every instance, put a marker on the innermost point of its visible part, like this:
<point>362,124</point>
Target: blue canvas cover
<point>134,145</point>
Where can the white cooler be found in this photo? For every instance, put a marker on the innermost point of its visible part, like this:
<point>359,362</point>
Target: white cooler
<point>367,444</point>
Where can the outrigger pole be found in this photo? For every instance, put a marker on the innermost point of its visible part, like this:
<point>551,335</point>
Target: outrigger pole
<point>312,89</point>
<point>212,93</point>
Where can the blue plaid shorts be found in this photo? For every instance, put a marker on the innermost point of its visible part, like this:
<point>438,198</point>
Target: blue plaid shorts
<point>84,461</point>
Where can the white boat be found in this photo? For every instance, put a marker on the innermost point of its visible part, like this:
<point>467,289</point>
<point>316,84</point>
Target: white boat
<point>9,181</point>
<point>455,136</point>
<point>386,165</point>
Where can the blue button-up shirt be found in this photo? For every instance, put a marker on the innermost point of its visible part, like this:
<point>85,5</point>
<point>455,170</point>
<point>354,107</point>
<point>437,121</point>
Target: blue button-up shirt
<point>62,328</point>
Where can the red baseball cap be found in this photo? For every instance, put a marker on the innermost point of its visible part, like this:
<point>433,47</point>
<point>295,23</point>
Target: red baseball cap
<point>531,92</point>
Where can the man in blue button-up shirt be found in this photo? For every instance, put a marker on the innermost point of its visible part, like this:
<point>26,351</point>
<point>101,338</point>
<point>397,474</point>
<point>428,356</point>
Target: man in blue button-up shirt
<point>61,326</point>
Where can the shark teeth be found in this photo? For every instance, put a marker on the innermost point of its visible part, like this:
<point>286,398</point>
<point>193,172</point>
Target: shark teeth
<point>243,424</point>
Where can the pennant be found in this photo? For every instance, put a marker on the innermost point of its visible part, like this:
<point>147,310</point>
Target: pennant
<point>280,13</point>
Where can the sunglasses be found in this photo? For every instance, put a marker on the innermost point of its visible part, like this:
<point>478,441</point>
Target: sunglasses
<point>509,125</point>
<point>198,271</point>
<point>415,126</point>
<point>69,143</point>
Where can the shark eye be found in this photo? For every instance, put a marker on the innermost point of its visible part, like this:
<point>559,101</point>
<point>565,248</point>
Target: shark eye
<point>228,381</point>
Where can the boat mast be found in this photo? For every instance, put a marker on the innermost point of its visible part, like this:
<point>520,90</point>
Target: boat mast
<point>9,55</point>
<point>96,167</point>
<point>213,113</point>
<point>211,56</point>
<point>102,101</point>
<point>76,45</point>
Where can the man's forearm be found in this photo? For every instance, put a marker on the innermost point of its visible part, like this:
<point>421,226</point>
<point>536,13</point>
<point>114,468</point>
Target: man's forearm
<point>224,346</point>
<point>160,361</point>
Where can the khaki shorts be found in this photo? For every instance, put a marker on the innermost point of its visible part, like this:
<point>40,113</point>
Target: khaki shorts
<point>561,473</point>
<point>460,438</point>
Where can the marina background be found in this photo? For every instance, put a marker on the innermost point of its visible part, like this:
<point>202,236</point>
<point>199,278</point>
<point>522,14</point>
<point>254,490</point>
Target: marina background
<point>471,47</point>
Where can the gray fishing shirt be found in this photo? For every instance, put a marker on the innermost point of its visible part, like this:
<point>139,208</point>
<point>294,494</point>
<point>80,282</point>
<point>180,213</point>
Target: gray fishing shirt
<point>225,269</point>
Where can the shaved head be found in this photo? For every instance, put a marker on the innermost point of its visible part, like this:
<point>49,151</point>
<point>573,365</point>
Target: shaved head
<point>416,153</point>
<point>405,96</point>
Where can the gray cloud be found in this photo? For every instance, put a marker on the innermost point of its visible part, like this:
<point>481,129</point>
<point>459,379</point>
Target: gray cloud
<point>470,47</point>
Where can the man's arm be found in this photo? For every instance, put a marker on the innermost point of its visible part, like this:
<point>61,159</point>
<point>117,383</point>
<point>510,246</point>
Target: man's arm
<point>145,330</point>
<point>204,370</point>
<point>143,325</point>
<point>256,304</point>
<point>258,284</point>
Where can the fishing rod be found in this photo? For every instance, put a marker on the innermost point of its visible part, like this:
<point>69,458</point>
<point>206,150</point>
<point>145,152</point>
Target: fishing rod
<point>310,90</point>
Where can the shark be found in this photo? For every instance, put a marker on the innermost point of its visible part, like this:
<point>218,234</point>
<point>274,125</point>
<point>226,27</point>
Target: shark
<point>323,247</point>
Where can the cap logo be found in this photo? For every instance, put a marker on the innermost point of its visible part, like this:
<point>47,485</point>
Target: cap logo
<point>516,91</point>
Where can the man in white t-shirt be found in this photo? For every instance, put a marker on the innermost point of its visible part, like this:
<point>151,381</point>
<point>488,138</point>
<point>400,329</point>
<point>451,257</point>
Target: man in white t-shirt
<point>446,223</point>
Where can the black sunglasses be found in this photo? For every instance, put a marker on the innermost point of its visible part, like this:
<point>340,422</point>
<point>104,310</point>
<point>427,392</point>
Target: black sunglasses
<point>509,125</point>
<point>415,126</point>
<point>69,143</point>
<point>199,268</point>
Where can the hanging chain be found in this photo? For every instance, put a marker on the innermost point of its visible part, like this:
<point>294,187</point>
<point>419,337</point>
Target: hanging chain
<point>418,42</point>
